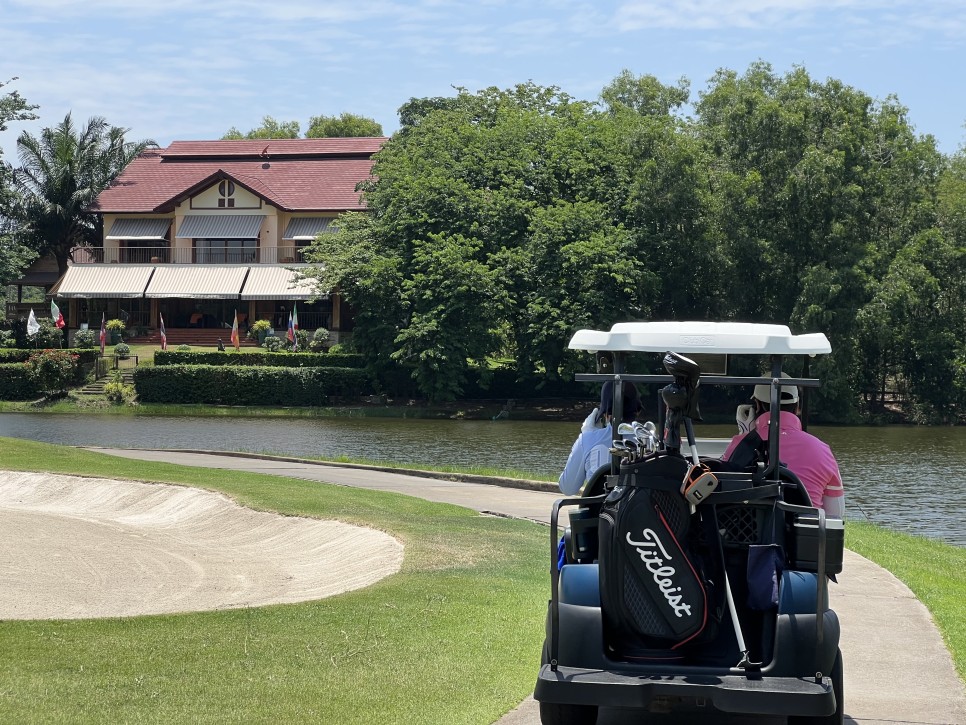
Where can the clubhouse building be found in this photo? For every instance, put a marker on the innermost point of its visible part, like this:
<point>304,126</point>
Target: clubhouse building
<point>200,229</point>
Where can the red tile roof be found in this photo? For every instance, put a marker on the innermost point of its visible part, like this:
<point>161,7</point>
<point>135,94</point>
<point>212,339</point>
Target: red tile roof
<point>292,174</point>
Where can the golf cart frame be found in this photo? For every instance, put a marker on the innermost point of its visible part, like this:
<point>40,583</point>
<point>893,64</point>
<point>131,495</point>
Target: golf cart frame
<point>792,665</point>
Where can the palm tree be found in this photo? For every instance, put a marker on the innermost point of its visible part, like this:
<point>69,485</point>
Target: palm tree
<point>61,174</point>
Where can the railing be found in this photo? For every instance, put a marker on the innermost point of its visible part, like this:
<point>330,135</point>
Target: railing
<point>16,310</point>
<point>166,255</point>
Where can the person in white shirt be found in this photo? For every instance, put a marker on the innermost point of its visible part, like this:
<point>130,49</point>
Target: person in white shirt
<point>591,450</point>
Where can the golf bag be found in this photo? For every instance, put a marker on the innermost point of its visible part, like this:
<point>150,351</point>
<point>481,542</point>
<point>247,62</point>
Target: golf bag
<point>655,594</point>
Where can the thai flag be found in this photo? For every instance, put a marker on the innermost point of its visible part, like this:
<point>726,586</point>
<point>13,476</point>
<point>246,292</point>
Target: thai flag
<point>164,336</point>
<point>295,327</point>
<point>103,333</point>
<point>291,329</point>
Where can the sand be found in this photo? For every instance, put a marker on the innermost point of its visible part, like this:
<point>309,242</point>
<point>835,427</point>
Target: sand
<point>77,548</point>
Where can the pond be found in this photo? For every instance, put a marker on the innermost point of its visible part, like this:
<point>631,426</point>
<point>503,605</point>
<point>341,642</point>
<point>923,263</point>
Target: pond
<point>905,478</point>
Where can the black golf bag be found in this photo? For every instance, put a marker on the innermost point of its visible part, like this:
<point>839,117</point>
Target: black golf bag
<point>657,593</point>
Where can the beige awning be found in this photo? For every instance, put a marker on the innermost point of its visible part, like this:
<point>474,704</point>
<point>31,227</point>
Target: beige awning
<point>276,283</point>
<point>139,229</point>
<point>221,226</point>
<point>210,281</point>
<point>307,228</point>
<point>87,281</point>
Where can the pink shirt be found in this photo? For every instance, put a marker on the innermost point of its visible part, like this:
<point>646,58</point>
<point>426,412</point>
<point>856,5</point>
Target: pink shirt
<point>804,454</point>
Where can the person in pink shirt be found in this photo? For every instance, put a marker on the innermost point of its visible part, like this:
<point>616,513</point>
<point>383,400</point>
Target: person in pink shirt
<point>804,454</point>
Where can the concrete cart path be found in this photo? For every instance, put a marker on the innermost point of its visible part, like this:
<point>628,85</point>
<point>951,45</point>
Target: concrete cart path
<point>897,669</point>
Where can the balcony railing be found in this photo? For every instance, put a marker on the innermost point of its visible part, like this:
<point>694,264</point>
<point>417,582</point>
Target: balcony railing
<point>166,255</point>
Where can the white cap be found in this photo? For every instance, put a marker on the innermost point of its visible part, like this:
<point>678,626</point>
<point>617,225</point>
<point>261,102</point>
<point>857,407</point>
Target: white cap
<point>789,393</point>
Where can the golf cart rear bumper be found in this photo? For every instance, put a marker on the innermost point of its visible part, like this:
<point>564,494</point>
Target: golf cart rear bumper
<point>728,693</point>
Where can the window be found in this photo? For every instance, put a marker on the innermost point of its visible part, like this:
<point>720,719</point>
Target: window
<point>226,251</point>
<point>226,193</point>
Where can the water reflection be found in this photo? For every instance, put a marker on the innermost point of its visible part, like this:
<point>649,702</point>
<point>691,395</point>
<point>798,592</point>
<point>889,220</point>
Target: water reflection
<point>903,478</point>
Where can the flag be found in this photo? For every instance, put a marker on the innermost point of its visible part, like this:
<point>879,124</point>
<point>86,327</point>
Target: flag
<point>295,327</point>
<point>103,333</point>
<point>234,333</point>
<point>291,330</point>
<point>164,336</point>
<point>55,315</point>
<point>33,327</point>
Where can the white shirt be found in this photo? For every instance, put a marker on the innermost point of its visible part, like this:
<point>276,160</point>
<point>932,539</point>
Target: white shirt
<point>590,452</point>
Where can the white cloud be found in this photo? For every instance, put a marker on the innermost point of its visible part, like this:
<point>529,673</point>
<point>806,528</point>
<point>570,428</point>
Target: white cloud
<point>764,14</point>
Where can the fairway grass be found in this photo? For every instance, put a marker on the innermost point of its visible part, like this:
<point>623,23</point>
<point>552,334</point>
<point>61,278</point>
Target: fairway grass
<point>453,638</point>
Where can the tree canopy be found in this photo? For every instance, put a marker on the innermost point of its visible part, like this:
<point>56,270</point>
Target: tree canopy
<point>14,255</point>
<point>344,125</point>
<point>501,221</point>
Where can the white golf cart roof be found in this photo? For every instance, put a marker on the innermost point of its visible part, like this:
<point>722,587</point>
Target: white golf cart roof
<point>732,338</point>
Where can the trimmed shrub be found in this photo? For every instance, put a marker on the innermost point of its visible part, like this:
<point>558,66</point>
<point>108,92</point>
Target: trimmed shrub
<point>239,385</point>
<point>85,339</point>
<point>17,382</point>
<point>122,350</point>
<point>15,355</point>
<point>183,348</point>
<point>319,338</point>
<point>302,338</point>
<point>272,343</point>
<point>260,358</point>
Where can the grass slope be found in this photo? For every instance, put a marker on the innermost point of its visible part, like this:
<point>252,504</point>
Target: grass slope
<point>454,637</point>
<point>934,571</point>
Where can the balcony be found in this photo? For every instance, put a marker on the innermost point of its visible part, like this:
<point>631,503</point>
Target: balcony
<point>166,255</point>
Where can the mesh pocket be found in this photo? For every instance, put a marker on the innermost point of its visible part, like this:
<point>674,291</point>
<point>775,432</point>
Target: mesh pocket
<point>739,525</point>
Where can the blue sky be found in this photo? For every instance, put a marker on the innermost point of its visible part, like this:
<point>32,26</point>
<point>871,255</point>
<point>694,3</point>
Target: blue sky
<point>186,69</point>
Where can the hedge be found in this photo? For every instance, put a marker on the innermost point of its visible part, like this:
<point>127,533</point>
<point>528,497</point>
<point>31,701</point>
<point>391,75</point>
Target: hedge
<point>16,382</point>
<point>259,358</point>
<point>246,385</point>
<point>13,355</point>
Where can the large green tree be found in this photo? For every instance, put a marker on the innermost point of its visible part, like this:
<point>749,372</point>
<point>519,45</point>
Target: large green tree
<point>270,128</point>
<point>14,255</point>
<point>816,187</point>
<point>345,125</point>
<point>526,193</point>
<point>61,173</point>
<point>782,199</point>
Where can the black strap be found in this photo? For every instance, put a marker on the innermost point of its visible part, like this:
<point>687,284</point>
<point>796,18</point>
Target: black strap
<point>749,451</point>
<point>769,490</point>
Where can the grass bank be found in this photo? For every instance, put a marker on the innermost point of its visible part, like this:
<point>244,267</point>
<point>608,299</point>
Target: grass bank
<point>933,570</point>
<point>454,637</point>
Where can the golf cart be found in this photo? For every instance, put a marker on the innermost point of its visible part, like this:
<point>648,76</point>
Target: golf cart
<point>686,581</point>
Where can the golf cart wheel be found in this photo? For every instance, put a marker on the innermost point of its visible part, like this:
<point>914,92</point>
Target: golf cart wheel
<point>838,686</point>
<point>552,713</point>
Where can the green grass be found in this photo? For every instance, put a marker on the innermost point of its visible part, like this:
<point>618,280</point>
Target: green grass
<point>934,571</point>
<point>453,638</point>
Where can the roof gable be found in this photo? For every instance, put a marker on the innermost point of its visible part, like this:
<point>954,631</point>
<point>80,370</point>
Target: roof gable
<point>291,174</point>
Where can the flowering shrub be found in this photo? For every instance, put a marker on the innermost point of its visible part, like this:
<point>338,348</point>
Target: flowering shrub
<point>272,343</point>
<point>52,370</point>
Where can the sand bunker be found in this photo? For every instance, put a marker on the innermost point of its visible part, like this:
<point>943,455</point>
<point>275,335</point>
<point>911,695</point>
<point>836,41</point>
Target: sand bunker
<point>91,547</point>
